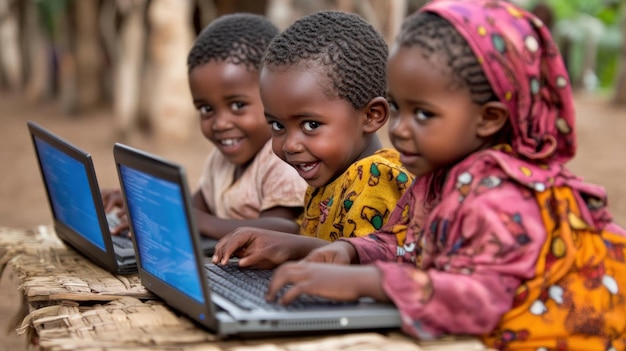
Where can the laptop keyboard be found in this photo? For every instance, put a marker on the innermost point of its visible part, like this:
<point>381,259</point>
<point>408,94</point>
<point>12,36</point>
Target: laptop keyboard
<point>246,288</point>
<point>122,241</point>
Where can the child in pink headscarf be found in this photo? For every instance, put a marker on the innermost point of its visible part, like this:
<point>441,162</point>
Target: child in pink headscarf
<point>495,237</point>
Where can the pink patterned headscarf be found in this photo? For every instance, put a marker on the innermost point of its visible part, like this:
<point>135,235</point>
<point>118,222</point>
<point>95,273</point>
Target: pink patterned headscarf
<point>525,70</point>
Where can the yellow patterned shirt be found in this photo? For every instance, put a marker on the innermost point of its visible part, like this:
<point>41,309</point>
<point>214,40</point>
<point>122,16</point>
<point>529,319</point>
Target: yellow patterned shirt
<point>359,201</point>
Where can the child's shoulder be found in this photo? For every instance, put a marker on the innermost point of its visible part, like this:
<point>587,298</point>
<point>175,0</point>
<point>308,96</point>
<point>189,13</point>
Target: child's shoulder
<point>266,164</point>
<point>387,155</point>
<point>265,154</point>
<point>384,161</point>
<point>266,158</point>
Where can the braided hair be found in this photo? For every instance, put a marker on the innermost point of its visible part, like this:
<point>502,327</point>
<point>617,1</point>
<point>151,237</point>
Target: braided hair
<point>239,38</point>
<point>440,42</point>
<point>351,52</point>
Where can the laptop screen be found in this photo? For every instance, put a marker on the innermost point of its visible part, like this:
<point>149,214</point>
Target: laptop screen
<point>70,194</point>
<point>157,211</point>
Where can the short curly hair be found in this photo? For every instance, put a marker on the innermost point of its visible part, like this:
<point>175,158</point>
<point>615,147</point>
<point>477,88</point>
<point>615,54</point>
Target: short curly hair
<point>441,42</point>
<point>351,51</point>
<point>239,38</point>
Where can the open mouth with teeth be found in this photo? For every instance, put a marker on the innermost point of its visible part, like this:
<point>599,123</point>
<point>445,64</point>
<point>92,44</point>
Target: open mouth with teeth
<point>229,142</point>
<point>306,166</point>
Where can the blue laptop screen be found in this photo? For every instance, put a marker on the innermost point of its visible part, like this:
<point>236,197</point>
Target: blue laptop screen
<point>160,226</point>
<point>70,194</point>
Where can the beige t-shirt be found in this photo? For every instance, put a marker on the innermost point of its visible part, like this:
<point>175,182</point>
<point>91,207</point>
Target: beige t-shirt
<point>268,182</point>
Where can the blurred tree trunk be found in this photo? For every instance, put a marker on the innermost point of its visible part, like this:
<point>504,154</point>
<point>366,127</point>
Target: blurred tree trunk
<point>386,16</point>
<point>10,58</point>
<point>38,83</point>
<point>89,54</point>
<point>208,12</point>
<point>229,6</point>
<point>108,20</point>
<point>415,5</point>
<point>65,60</point>
<point>128,65</point>
<point>171,111</point>
<point>280,12</point>
<point>53,17</point>
<point>284,12</point>
<point>620,87</point>
<point>398,10</point>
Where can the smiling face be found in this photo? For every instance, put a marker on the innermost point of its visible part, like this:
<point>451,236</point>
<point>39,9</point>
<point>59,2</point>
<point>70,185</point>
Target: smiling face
<point>318,134</point>
<point>433,123</point>
<point>231,111</point>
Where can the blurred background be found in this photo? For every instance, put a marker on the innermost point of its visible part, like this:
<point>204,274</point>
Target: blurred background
<point>130,55</point>
<point>98,72</point>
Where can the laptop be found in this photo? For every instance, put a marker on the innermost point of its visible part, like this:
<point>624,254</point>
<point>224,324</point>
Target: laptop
<point>74,197</point>
<point>171,265</point>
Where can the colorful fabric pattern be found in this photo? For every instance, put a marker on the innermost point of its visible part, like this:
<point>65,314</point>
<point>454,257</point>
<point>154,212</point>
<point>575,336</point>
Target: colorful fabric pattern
<point>513,247</point>
<point>525,69</point>
<point>576,301</point>
<point>359,201</point>
<point>493,262</point>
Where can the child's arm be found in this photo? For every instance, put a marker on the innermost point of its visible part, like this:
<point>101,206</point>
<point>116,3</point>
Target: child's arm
<point>278,219</point>
<point>466,285</point>
<point>338,252</point>
<point>112,198</point>
<point>199,203</point>
<point>470,278</point>
<point>337,282</point>
<point>260,248</point>
<point>314,275</point>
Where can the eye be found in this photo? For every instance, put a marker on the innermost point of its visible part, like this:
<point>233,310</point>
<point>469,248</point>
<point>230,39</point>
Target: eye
<point>311,125</point>
<point>236,106</point>
<point>423,115</point>
<point>276,126</point>
<point>205,110</point>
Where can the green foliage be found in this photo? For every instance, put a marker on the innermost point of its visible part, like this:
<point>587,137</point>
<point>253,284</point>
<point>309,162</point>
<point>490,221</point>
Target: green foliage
<point>607,67</point>
<point>580,20</point>
<point>50,13</point>
<point>605,10</point>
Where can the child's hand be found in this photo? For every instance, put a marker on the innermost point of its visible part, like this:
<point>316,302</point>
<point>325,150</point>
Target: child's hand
<point>335,282</point>
<point>111,199</point>
<point>114,204</point>
<point>339,252</point>
<point>122,226</point>
<point>258,248</point>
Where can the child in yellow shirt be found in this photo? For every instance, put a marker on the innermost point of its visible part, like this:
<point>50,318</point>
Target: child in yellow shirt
<point>323,87</point>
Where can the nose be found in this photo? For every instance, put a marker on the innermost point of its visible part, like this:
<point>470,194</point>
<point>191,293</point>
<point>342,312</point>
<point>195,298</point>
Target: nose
<point>292,143</point>
<point>399,128</point>
<point>221,121</point>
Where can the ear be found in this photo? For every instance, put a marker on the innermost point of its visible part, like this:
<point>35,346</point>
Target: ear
<point>494,115</point>
<point>376,114</point>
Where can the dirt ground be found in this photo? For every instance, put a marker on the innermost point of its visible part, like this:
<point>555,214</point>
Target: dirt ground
<point>601,159</point>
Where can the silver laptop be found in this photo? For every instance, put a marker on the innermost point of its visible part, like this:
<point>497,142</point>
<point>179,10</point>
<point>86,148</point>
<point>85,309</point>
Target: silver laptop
<point>74,197</point>
<point>172,267</point>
